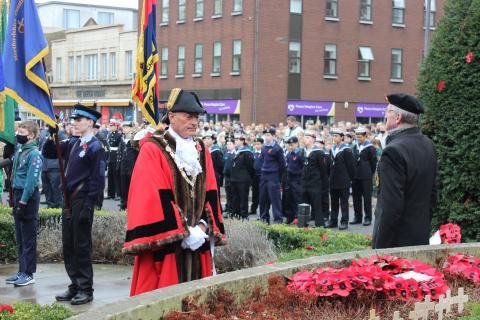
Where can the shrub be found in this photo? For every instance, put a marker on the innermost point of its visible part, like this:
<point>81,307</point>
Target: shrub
<point>248,246</point>
<point>29,311</point>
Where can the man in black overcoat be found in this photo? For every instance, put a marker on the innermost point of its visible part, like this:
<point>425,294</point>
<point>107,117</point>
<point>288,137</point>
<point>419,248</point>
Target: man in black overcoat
<point>407,175</point>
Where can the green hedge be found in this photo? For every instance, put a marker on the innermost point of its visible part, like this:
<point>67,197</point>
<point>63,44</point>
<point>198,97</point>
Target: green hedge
<point>296,243</point>
<point>7,228</point>
<point>30,311</point>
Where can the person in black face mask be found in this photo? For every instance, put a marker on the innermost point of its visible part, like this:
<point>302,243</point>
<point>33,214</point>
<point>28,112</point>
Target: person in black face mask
<point>27,163</point>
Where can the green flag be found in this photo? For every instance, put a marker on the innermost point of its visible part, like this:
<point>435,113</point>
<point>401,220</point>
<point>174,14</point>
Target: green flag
<point>7,104</point>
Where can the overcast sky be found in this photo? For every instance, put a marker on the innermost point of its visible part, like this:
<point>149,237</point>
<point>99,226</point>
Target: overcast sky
<point>133,4</point>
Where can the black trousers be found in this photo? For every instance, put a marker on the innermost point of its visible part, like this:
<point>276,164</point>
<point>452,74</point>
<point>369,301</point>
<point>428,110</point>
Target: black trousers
<point>240,198</point>
<point>112,184</point>
<point>326,203</point>
<point>77,248</point>
<point>339,197</point>
<point>26,232</point>
<point>229,196</point>
<point>313,196</point>
<point>362,189</point>
<point>124,187</point>
<point>292,195</point>
<point>255,194</point>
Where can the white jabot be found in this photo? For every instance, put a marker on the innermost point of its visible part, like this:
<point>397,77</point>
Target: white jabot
<point>186,154</point>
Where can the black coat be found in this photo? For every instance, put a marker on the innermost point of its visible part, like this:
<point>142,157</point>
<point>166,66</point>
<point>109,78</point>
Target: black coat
<point>407,191</point>
<point>315,168</point>
<point>114,139</point>
<point>242,167</point>
<point>342,170</point>
<point>217,159</point>
<point>366,162</point>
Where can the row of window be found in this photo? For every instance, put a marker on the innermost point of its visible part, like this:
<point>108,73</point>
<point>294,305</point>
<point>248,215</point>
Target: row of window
<point>365,58</point>
<point>365,12</point>
<point>198,59</point>
<point>199,9</point>
<point>89,62</point>
<point>71,18</point>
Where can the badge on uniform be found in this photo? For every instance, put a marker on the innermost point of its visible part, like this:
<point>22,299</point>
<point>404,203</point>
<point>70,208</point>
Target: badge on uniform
<point>82,153</point>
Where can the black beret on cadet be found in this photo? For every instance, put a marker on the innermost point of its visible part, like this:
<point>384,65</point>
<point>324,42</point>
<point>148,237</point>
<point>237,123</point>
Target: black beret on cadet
<point>405,102</point>
<point>272,131</point>
<point>292,140</point>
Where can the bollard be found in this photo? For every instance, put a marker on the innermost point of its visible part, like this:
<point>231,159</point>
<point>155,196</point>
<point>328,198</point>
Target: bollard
<point>303,214</point>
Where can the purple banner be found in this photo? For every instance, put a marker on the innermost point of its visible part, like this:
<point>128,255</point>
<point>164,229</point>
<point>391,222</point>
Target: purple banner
<point>310,108</point>
<point>222,106</point>
<point>371,110</point>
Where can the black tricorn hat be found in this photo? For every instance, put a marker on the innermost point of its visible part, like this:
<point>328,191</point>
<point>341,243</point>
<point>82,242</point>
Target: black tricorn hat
<point>405,102</point>
<point>79,110</point>
<point>182,101</point>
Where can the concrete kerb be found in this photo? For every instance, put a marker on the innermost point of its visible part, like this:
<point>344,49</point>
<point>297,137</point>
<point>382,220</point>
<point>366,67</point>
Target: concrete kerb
<point>155,304</point>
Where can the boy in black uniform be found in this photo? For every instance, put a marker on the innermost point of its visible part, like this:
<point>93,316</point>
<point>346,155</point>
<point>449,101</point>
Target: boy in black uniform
<point>341,175</point>
<point>241,178</point>
<point>314,171</point>
<point>293,185</point>
<point>320,143</point>
<point>362,184</point>
<point>227,173</point>
<point>85,176</point>
<point>257,165</point>
<point>210,140</point>
<point>114,138</point>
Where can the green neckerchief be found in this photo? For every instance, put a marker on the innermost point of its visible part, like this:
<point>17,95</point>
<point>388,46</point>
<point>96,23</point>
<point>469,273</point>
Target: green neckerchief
<point>22,150</point>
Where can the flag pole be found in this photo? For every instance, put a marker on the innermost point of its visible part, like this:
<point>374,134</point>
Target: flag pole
<point>66,198</point>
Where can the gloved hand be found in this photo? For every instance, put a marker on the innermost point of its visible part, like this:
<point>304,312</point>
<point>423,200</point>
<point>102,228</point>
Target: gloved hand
<point>53,130</point>
<point>86,214</point>
<point>20,210</point>
<point>195,240</point>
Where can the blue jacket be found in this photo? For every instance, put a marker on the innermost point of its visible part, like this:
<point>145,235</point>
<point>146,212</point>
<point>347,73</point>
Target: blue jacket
<point>257,163</point>
<point>295,163</point>
<point>273,159</point>
<point>26,170</point>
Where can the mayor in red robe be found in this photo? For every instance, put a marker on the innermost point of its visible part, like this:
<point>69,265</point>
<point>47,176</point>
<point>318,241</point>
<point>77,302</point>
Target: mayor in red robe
<point>171,197</point>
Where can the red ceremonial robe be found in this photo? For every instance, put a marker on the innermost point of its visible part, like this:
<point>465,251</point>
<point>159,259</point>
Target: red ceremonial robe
<point>160,209</point>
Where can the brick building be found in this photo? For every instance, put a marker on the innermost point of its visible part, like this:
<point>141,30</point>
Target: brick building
<point>317,59</point>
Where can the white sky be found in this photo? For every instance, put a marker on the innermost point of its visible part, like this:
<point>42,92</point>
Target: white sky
<point>132,4</point>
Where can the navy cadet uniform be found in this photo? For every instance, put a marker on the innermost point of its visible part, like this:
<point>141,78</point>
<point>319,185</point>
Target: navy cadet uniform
<point>114,139</point>
<point>85,176</point>
<point>241,178</point>
<point>257,165</point>
<point>293,184</point>
<point>272,171</point>
<point>362,184</point>
<point>217,159</point>
<point>325,179</point>
<point>341,175</point>
<point>227,173</point>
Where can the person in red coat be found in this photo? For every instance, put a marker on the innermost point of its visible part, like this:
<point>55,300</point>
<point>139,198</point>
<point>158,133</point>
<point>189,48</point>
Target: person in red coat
<point>174,215</point>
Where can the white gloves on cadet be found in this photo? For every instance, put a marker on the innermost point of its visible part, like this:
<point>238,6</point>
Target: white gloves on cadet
<point>195,240</point>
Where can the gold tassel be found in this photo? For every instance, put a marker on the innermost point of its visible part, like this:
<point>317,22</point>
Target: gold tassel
<point>173,97</point>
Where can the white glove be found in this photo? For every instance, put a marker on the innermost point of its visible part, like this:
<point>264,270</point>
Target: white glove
<point>195,240</point>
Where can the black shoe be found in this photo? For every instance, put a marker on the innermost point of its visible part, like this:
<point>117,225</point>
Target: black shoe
<point>66,296</point>
<point>356,221</point>
<point>331,224</point>
<point>343,226</point>
<point>367,222</point>
<point>81,298</point>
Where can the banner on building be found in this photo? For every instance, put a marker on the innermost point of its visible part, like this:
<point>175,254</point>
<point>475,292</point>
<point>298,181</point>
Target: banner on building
<point>221,106</point>
<point>371,110</point>
<point>311,108</point>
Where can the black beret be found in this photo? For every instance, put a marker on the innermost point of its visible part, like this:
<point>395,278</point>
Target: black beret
<point>292,140</point>
<point>259,140</point>
<point>272,131</point>
<point>405,102</point>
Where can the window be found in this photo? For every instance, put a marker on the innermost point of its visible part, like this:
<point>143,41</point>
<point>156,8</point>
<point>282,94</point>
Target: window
<point>91,66</point>
<point>181,10</point>
<point>58,70</point>
<point>397,62</point>
<point>71,68</point>
<point>433,9</point>
<point>332,9</point>
<point>365,56</point>
<point>295,6</point>
<point>181,60</point>
<point>113,65</point>
<point>237,6</point>
<point>365,10</point>
<point>236,56</point>
<point>79,67</point>
<point>198,67</point>
<point>330,60</point>
<point>104,62</point>
<point>129,64</point>
<point>199,9</point>
<point>398,12</point>
<point>165,11</point>
<point>294,54</point>
<point>217,7</point>
<point>164,63</point>
<point>71,18</point>
<point>105,18</point>
<point>217,57</point>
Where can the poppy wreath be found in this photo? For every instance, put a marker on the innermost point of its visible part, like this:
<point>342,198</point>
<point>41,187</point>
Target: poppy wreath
<point>6,309</point>
<point>463,266</point>
<point>377,273</point>
<point>450,233</point>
